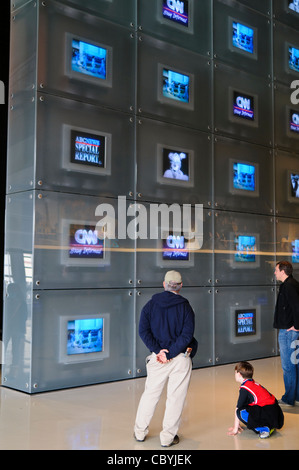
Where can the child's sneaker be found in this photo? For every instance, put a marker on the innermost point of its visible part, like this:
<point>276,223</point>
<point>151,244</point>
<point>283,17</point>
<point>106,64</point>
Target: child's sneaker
<point>266,433</point>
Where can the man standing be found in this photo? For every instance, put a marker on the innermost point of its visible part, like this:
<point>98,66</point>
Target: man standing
<point>286,320</point>
<point>166,327</point>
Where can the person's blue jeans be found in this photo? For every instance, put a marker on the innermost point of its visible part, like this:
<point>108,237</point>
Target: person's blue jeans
<point>288,344</point>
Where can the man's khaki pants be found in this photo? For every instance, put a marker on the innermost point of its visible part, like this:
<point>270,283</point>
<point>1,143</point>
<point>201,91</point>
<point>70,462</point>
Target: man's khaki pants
<point>178,372</point>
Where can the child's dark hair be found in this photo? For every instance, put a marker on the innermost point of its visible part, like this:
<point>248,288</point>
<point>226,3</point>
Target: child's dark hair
<point>245,369</point>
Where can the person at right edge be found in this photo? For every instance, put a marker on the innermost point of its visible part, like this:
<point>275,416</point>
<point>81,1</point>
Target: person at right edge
<point>286,320</point>
<point>166,327</point>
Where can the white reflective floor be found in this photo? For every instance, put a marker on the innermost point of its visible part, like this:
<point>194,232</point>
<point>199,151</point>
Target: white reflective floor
<point>102,416</point>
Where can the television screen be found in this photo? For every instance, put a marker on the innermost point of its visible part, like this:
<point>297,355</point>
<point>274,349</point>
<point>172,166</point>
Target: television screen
<point>243,37</point>
<point>89,59</point>
<point>84,242</point>
<point>294,59</point>
<point>174,248</point>
<point>85,336</point>
<point>175,164</point>
<point>245,249</point>
<point>243,106</point>
<point>244,176</point>
<point>88,149</point>
<point>295,251</point>
<point>176,11</point>
<point>294,121</point>
<point>294,184</point>
<point>245,322</point>
<point>294,6</point>
<point>175,86</point>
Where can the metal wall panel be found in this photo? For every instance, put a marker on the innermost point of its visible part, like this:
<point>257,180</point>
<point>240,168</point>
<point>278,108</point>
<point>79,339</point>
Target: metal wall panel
<point>229,347</point>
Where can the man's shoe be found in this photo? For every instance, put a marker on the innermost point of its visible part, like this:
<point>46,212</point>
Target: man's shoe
<point>283,403</point>
<point>138,440</point>
<point>175,441</point>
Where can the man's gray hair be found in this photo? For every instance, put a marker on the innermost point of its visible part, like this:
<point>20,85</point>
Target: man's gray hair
<point>173,286</point>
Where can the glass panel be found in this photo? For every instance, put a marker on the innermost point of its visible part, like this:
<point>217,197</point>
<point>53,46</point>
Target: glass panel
<point>18,265</point>
<point>243,177</point>
<point>70,251</point>
<point>174,84</point>
<point>264,7</point>
<point>92,152</point>
<point>244,324</point>
<point>244,249</point>
<point>286,184</point>
<point>174,251</point>
<point>287,12</point>
<point>23,44</point>
<point>242,38</point>
<point>286,53</point>
<point>243,105</point>
<point>174,164</point>
<point>117,11</point>
<point>286,119</point>
<point>287,242</point>
<point>68,352</point>
<point>185,23</point>
<point>86,58</point>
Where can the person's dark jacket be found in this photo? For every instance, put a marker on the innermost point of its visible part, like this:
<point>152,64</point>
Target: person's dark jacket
<point>167,322</point>
<point>287,305</point>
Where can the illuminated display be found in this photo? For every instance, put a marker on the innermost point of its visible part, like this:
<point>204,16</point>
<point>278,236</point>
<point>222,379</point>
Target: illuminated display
<point>243,106</point>
<point>295,251</point>
<point>294,58</point>
<point>175,165</point>
<point>244,176</point>
<point>294,183</point>
<point>242,37</point>
<point>174,248</point>
<point>85,336</point>
<point>294,121</point>
<point>245,247</point>
<point>176,11</point>
<point>176,86</point>
<point>84,243</point>
<point>87,149</point>
<point>294,6</point>
<point>245,322</point>
<point>89,59</point>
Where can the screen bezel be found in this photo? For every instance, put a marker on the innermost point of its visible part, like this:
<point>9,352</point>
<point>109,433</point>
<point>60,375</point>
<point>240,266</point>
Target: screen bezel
<point>239,191</point>
<point>81,262</point>
<point>171,181</point>
<point>73,74</point>
<point>245,264</point>
<point>169,101</point>
<point>291,199</point>
<point>83,357</point>
<point>172,263</point>
<point>249,338</point>
<point>240,119</point>
<point>67,164</point>
<point>234,49</point>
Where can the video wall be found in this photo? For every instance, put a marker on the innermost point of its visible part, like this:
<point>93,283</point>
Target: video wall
<point>121,108</point>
